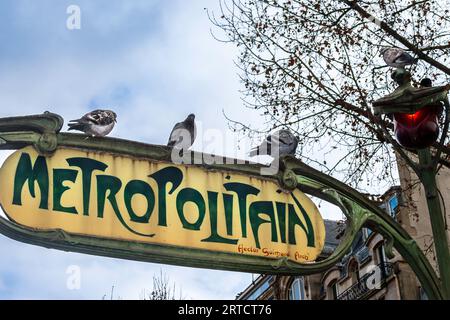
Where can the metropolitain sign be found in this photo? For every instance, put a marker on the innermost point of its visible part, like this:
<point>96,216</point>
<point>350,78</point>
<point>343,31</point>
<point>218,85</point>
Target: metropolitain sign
<point>157,203</point>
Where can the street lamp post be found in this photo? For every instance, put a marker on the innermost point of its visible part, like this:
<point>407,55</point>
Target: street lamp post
<point>415,113</point>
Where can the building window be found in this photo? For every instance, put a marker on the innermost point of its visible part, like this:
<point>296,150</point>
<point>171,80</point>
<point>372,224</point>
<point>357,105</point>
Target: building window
<point>297,289</point>
<point>367,232</point>
<point>353,270</point>
<point>333,291</point>
<point>380,254</point>
<point>393,205</point>
<point>381,258</point>
<point>262,288</point>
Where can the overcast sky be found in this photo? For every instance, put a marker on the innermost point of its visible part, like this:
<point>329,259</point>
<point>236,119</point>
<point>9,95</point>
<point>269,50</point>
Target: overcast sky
<point>153,62</point>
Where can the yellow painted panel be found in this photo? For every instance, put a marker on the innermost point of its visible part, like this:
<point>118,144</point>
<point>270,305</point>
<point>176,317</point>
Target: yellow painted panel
<point>272,223</point>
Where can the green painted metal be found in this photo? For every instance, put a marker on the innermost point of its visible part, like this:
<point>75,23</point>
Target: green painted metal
<point>408,99</point>
<point>43,132</point>
<point>363,212</point>
<point>428,179</point>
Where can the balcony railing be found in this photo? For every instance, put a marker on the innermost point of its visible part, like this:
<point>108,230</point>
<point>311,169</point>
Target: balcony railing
<point>370,282</point>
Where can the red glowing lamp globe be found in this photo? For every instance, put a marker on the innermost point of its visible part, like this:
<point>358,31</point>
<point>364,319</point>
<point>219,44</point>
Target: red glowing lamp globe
<point>417,130</point>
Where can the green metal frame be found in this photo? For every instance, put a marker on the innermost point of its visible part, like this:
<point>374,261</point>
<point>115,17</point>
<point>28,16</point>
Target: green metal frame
<point>408,99</point>
<point>43,132</point>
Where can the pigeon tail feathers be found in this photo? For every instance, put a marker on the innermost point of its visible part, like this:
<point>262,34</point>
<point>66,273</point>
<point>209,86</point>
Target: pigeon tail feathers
<point>77,126</point>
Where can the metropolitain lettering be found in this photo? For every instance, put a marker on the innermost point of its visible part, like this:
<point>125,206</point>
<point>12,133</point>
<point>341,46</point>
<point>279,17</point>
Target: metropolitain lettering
<point>162,186</point>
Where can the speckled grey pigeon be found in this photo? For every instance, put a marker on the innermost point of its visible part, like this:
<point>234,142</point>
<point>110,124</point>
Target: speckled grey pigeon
<point>183,133</point>
<point>283,140</point>
<point>95,123</point>
<point>397,58</point>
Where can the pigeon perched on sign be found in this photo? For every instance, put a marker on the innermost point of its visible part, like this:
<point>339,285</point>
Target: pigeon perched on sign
<point>282,141</point>
<point>183,133</point>
<point>397,58</point>
<point>98,123</point>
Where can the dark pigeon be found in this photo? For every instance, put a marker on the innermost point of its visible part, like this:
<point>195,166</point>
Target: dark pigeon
<point>183,133</point>
<point>283,140</point>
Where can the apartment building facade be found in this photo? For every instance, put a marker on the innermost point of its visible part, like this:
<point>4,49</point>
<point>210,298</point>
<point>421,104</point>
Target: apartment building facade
<point>364,273</point>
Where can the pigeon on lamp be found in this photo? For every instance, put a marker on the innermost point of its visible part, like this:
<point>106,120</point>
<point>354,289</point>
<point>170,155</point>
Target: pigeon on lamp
<point>397,58</point>
<point>97,123</point>
<point>282,140</point>
<point>183,133</point>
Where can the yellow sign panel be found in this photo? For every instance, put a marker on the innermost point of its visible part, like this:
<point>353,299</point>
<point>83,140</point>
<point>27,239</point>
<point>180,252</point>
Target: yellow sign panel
<point>139,200</point>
